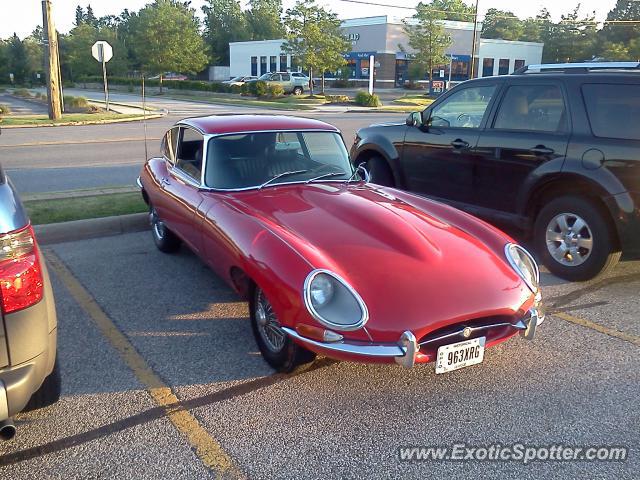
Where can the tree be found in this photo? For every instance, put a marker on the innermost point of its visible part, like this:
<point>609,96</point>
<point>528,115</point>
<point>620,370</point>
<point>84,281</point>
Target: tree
<point>264,19</point>
<point>34,49</point>
<point>80,15</point>
<point>89,17</point>
<point>314,38</point>
<point>427,36</point>
<point>18,64</point>
<point>455,10</point>
<point>613,52</point>
<point>502,24</point>
<point>165,37</point>
<point>572,39</point>
<point>224,22</point>
<point>622,32</point>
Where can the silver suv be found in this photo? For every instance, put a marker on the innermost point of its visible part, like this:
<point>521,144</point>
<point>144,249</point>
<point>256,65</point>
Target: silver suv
<point>29,372</point>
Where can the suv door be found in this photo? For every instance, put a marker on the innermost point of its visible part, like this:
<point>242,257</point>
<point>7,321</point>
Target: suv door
<point>530,128</point>
<point>438,157</point>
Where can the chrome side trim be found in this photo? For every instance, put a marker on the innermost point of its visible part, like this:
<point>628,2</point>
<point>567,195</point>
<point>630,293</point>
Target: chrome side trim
<point>517,270</point>
<point>352,348</point>
<point>306,294</point>
<point>4,405</point>
<point>520,325</point>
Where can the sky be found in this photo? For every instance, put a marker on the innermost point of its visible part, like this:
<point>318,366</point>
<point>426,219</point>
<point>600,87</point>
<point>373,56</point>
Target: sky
<point>22,17</point>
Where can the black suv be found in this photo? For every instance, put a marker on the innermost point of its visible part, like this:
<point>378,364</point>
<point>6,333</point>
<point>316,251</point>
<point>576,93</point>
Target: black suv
<point>552,149</point>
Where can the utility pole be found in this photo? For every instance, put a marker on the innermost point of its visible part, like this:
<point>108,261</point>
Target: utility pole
<point>52,61</point>
<point>475,38</point>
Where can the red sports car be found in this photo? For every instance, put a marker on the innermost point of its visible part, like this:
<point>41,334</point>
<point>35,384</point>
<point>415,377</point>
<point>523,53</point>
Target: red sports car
<point>330,263</point>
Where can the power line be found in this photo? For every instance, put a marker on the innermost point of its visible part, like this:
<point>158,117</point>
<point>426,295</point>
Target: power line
<point>502,17</point>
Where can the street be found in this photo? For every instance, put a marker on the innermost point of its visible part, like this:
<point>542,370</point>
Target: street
<point>118,149</point>
<point>138,327</point>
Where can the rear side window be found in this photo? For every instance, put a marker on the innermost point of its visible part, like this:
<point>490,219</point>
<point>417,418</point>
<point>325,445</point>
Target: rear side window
<point>537,108</point>
<point>613,110</point>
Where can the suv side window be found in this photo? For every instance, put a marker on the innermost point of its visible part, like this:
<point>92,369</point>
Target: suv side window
<point>463,109</point>
<point>537,108</point>
<point>613,110</point>
<point>169,143</point>
<point>285,77</point>
<point>189,158</point>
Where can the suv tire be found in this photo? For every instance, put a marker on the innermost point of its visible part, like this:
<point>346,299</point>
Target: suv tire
<point>380,172</point>
<point>593,242</point>
<point>298,90</point>
<point>49,391</point>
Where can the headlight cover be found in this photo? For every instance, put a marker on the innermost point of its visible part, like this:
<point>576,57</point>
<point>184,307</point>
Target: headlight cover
<point>342,309</point>
<point>524,265</point>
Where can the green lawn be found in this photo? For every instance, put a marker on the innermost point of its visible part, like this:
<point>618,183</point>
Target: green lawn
<point>290,102</point>
<point>414,101</point>
<point>13,120</point>
<point>64,210</point>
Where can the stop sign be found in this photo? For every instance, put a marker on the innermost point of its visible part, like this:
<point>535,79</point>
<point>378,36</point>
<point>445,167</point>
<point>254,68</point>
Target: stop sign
<point>102,51</point>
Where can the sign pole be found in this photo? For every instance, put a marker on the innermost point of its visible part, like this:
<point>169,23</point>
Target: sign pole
<point>104,77</point>
<point>371,68</point>
<point>103,52</point>
<point>450,66</point>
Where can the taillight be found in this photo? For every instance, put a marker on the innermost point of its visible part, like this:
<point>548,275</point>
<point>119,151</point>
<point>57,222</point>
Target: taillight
<point>21,283</point>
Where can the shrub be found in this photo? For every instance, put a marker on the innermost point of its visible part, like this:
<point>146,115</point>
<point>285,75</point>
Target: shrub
<point>337,98</point>
<point>76,104</point>
<point>22,92</point>
<point>366,100</point>
<point>275,90</point>
<point>260,88</point>
<point>5,109</point>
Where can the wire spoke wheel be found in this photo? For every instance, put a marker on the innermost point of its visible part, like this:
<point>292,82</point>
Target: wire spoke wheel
<point>157,225</point>
<point>569,239</point>
<point>268,326</point>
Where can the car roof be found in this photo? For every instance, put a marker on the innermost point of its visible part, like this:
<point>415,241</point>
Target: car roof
<point>219,124</point>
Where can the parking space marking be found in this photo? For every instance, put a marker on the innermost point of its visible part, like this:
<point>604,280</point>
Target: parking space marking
<point>612,332</point>
<point>206,447</point>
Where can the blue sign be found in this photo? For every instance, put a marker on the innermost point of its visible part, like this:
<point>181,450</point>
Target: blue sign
<point>357,55</point>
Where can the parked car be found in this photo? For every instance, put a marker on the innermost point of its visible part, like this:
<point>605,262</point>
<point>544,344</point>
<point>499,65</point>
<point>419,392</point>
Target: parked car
<point>291,83</point>
<point>553,150</point>
<point>29,372</point>
<point>329,263</point>
<point>239,81</point>
<point>170,76</point>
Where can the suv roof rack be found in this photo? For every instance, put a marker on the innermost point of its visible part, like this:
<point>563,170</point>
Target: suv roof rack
<point>584,67</point>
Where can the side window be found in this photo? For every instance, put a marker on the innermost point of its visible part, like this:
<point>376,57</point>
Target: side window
<point>286,77</point>
<point>189,158</point>
<point>463,109</point>
<point>538,108</point>
<point>169,143</point>
<point>613,110</point>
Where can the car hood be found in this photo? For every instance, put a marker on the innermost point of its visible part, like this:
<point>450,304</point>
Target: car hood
<point>413,269</point>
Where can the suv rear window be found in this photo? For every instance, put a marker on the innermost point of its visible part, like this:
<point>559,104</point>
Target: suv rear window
<point>613,109</point>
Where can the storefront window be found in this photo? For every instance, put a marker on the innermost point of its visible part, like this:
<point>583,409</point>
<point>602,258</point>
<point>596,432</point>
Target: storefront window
<point>273,65</point>
<point>254,66</point>
<point>518,64</point>
<point>364,68</point>
<point>487,67</point>
<point>351,66</point>
<point>263,65</point>
<point>283,63</point>
<point>503,66</point>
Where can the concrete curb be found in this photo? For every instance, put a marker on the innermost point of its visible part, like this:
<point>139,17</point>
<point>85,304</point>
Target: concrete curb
<point>91,228</point>
<point>88,122</point>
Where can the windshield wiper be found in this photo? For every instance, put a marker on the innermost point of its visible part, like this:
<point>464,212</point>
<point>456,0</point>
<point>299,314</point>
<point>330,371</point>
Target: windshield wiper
<point>325,175</point>
<point>283,174</point>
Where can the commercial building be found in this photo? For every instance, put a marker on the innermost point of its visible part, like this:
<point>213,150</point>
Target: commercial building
<point>384,38</point>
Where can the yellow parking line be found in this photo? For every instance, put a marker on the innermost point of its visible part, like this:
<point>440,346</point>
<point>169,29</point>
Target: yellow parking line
<point>206,447</point>
<point>81,142</point>
<point>612,332</point>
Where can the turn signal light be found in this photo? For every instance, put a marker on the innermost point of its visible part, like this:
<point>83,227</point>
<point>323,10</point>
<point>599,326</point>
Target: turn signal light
<point>21,282</point>
<point>319,334</point>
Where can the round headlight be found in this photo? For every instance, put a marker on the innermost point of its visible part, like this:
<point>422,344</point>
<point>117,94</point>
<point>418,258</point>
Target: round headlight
<point>524,264</point>
<point>333,302</point>
<point>321,290</point>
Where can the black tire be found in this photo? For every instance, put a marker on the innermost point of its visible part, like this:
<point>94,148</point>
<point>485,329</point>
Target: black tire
<point>380,171</point>
<point>597,260</point>
<point>298,90</point>
<point>165,239</point>
<point>290,356</point>
<point>49,391</point>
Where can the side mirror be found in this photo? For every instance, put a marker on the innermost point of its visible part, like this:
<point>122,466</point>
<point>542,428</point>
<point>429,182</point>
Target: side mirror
<point>414,119</point>
<point>365,173</point>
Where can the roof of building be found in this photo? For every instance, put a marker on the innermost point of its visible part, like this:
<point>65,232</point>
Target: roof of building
<point>219,124</point>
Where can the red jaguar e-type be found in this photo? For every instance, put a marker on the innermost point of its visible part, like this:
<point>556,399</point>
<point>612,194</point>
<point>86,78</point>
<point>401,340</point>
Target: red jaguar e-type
<point>330,263</point>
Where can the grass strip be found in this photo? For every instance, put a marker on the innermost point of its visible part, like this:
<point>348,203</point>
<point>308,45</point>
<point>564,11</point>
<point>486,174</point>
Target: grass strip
<point>80,208</point>
<point>15,121</point>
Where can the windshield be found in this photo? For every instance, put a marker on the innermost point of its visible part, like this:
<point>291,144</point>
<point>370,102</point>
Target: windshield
<point>254,159</point>
<point>266,76</point>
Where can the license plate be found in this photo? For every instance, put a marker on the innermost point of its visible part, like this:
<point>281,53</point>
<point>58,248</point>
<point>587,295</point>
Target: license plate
<point>460,355</point>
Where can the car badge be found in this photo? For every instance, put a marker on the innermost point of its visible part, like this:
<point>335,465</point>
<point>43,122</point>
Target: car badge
<point>466,333</point>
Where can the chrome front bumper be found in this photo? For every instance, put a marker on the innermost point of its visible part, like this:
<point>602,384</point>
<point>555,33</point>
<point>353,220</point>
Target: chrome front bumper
<point>405,351</point>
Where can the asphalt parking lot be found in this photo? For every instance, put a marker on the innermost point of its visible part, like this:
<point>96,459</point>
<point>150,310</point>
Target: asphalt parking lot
<point>162,379</point>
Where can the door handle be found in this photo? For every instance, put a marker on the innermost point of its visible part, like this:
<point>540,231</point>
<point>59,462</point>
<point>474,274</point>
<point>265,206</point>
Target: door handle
<point>459,144</point>
<point>165,181</point>
<point>542,150</point>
